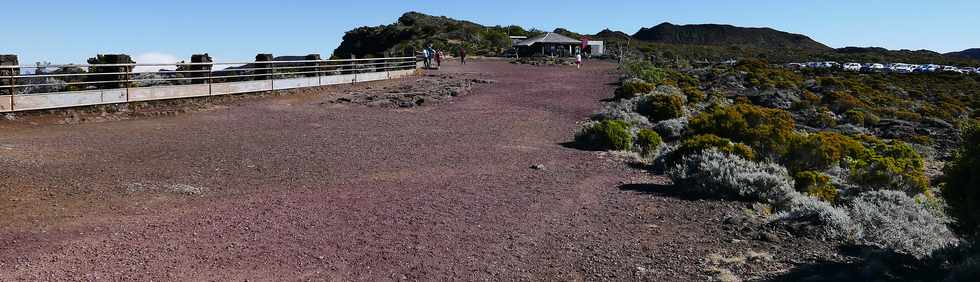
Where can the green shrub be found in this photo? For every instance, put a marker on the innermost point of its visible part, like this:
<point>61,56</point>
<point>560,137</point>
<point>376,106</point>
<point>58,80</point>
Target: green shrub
<point>861,117</point>
<point>962,184</point>
<point>605,135</point>
<point>841,102</point>
<point>907,115</point>
<point>889,165</point>
<point>648,140</point>
<point>766,130</point>
<point>663,107</point>
<point>699,143</point>
<point>647,72</point>
<point>694,95</point>
<point>821,151</point>
<point>635,87</point>
<point>816,184</point>
<point>760,74</point>
<point>823,119</point>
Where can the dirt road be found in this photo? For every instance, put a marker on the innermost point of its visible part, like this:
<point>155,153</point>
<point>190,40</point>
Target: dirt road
<point>290,188</point>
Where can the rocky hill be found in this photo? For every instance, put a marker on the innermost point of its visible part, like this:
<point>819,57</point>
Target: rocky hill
<point>714,34</point>
<point>967,54</point>
<point>414,30</point>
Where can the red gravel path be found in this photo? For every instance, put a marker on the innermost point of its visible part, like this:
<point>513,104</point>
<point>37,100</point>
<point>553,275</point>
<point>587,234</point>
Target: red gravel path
<point>296,190</point>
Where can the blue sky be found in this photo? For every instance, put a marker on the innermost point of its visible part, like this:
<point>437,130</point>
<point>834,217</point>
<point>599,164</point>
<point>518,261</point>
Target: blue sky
<point>69,31</point>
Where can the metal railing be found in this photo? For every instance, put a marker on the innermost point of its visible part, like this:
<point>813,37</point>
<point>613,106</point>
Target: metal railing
<point>64,80</point>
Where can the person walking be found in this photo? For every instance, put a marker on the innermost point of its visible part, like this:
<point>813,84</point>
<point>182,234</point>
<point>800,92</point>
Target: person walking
<point>439,59</point>
<point>462,55</point>
<point>425,58</point>
<point>578,60</point>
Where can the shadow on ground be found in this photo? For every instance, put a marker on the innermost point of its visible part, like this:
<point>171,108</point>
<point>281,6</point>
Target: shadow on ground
<point>870,264</point>
<point>663,190</point>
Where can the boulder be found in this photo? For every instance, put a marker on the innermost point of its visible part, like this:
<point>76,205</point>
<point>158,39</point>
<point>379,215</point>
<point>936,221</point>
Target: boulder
<point>201,71</point>
<point>5,73</point>
<point>117,80</point>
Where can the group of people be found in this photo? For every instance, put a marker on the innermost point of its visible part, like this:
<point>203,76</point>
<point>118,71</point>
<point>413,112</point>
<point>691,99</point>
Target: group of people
<point>431,54</point>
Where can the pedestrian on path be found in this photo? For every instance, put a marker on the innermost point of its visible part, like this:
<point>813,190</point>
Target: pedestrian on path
<point>439,59</point>
<point>578,60</point>
<point>462,55</point>
<point>425,58</point>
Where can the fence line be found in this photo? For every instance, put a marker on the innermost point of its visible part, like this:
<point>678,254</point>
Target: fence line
<point>96,84</point>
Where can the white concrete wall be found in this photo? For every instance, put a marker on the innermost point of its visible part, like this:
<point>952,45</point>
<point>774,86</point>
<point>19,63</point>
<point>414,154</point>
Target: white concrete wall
<point>241,87</point>
<point>291,83</point>
<point>373,76</point>
<point>402,73</point>
<point>337,79</point>
<point>28,102</point>
<point>5,104</point>
<point>168,92</point>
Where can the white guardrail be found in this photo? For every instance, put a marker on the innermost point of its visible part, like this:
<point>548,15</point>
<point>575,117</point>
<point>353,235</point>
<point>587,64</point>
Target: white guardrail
<point>63,86</point>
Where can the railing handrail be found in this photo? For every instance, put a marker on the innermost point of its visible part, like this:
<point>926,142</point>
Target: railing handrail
<point>207,64</point>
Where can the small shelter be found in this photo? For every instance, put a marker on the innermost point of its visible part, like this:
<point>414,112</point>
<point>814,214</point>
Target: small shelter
<point>514,40</point>
<point>549,44</point>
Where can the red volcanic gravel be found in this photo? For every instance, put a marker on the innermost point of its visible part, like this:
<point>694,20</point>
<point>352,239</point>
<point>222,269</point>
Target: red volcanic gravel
<point>295,188</point>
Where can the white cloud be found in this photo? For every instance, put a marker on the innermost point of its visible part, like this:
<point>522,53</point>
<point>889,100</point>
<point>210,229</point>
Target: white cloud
<point>155,58</point>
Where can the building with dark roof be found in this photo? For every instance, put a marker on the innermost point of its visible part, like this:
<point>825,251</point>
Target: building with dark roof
<point>549,44</point>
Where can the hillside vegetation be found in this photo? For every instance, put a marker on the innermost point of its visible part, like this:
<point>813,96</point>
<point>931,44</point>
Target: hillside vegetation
<point>845,157</point>
<point>414,30</point>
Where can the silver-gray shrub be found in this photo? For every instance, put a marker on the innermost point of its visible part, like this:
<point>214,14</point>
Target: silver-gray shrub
<point>624,109</point>
<point>892,220</point>
<point>671,128</point>
<point>715,173</point>
<point>831,222</point>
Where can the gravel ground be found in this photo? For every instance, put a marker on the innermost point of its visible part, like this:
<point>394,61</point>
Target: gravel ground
<point>294,187</point>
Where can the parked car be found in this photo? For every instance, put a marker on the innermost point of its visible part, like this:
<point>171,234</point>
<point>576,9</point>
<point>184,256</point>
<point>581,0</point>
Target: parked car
<point>873,68</point>
<point>925,68</point>
<point>796,66</point>
<point>968,70</point>
<point>852,67</point>
<point>901,68</point>
<point>951,69</point>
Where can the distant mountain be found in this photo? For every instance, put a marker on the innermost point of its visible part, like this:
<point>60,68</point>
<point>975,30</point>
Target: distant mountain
<point>967,54</point>
<point>727,35</point>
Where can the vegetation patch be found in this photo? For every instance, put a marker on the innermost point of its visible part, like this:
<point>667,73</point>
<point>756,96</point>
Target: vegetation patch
<point>605,135</point>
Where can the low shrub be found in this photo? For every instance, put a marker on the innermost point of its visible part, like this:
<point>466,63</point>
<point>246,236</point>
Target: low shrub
<point>822,119</point>
<point>699,143</point>
<point>889,165</point>
<point>647,72</point>
<point>671,128</point>
<point>893,220</point>
<point>821,218</point>
<point>694,95</point>
<point>766,130</point>
<point>861,117</point>
<point>635,87</point>
<point>761,74</point>
<point>624,109</point>
<point>648,141</point>
<point>605,135</point>
<point>841,102</point>
<point>907,115</point>
<point>663,107</point>
<point>718,174</point>
<point>961,184</point>
<point>817,185</point>
<point>820,151</point>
